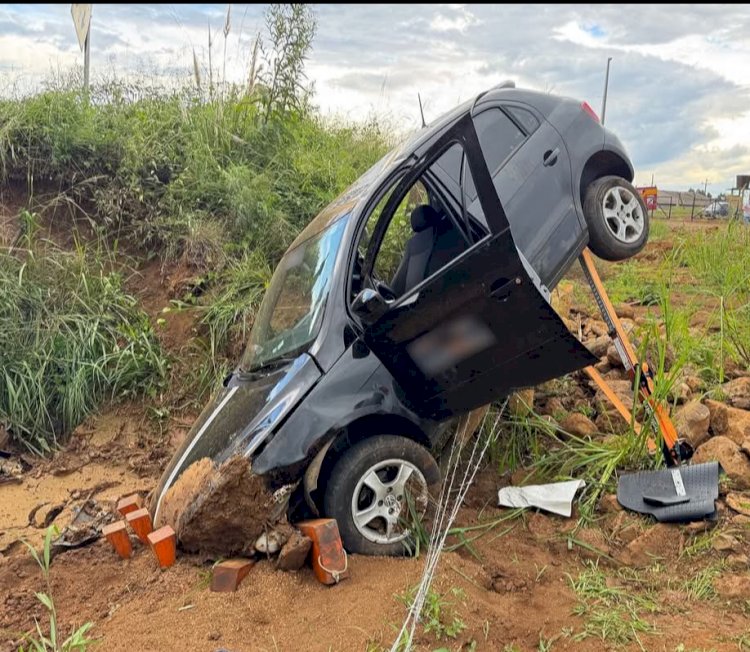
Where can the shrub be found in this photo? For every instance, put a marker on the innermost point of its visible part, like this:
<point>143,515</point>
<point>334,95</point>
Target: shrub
<point>70,339</point>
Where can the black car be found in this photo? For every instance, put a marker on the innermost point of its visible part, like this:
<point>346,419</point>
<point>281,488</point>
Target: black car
<point>418,295</point>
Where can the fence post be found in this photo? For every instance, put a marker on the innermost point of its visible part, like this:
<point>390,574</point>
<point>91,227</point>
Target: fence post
<point>692,208</point>
<point>669,217</point>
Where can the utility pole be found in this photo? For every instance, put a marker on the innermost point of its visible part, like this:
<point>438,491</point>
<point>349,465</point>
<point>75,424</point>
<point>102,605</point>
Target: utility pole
<point>606,84</point>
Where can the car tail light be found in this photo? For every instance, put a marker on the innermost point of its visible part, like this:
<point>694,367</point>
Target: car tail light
<point>585,106</point>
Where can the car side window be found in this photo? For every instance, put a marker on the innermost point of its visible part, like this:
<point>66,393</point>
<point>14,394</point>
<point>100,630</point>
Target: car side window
<point>419,236</point>
<point>397,234</point>
<point>499,137</point>
<point>525,118</point>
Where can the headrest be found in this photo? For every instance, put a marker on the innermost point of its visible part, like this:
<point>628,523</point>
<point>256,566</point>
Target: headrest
<point>423,216</point>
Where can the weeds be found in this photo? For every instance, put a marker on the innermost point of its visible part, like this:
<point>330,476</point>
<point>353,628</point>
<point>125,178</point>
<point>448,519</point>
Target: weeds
<point>40,642</point>
<point>70,339</point>
<point>612,613</point>
<point>594,460</point>
<point>701,543</point>
<point>721,262</point>
<point>181,173</point>
<point>701,585</point>
<point>221,178</point>
<point>438,616</point>
<point>238,293</point>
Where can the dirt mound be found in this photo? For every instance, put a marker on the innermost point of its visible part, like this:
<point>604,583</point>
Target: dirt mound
<point>220,511</point>
<point>12,201</point>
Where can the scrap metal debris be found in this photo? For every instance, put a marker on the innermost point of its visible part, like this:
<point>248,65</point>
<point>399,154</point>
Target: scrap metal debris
<point>12,468</point>
<point>85,527</point>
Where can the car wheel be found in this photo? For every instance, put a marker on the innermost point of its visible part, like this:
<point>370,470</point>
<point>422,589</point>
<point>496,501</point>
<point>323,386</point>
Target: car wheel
<point>369,491</point>
<point>617,218</point>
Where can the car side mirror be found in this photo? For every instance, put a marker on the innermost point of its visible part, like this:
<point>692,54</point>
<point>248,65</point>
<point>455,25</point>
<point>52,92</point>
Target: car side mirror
<point>369,305</point>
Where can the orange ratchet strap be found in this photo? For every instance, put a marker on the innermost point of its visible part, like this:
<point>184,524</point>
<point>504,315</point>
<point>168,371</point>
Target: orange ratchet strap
<point>674,449</point>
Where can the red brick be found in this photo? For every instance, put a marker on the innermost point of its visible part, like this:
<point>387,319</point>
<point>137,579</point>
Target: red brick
<point>328,557</point>
<point>129,504</point>
<point>228,574</point>
<point>164,545</point>
<point>140,521</point>
<point>117,534</point>
<point>294,552</point>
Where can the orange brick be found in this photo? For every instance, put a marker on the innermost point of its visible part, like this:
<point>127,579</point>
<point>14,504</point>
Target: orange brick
<point>140,521</point>
<point>328,556</point>
<point>117,535</point>
<point>129,504</point>
<point>164,545</point>
<point>228,574</point>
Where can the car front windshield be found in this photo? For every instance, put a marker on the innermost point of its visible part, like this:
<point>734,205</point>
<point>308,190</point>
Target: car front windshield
<point>291,313</point>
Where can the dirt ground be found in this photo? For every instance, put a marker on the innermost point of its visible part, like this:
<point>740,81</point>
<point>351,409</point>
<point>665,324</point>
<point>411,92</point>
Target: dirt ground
<point>512,591</point>
<point>517,592</point>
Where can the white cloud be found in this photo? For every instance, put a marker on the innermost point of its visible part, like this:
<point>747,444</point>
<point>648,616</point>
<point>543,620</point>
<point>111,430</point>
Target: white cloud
<point>679,91</point>
<point>459,23</point>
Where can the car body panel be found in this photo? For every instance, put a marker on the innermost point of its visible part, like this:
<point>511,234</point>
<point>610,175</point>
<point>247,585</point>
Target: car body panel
<point>239,416</point>
<point>282,418</point>
<point>357,386</point>
<point>447,340</point>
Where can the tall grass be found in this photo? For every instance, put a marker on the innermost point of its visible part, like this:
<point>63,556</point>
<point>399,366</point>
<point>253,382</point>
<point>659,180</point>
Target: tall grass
<point>146,164</point>
<point>70,339</point>
<point>720,261</point>
<point>218,176</point>
<point>230,309</point>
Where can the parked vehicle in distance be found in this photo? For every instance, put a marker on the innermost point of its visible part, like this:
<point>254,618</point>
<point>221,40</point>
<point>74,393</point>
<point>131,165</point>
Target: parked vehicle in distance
<point>716,209</point>
<point>418,295</point>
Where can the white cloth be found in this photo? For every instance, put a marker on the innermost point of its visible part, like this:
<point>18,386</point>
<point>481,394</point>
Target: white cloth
<point>556,497</point>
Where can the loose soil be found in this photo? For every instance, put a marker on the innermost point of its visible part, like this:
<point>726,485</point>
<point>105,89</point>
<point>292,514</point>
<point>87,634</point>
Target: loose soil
<point>515,582</point>
<point>220,510</point>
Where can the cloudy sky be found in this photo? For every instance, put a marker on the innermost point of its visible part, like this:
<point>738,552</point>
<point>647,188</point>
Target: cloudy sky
<point>679,94</point>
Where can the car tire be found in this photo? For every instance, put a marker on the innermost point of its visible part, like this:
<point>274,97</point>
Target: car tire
<point>617,218</point>
<point>365,484</point>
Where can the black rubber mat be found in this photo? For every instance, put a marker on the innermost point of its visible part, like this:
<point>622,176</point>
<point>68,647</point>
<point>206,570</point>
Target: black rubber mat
<point>656,492</point>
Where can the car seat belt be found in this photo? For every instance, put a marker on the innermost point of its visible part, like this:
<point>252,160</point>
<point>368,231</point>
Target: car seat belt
<point>675,450</point>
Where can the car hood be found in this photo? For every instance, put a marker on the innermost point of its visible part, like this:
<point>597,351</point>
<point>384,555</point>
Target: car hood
<point>240,417</point>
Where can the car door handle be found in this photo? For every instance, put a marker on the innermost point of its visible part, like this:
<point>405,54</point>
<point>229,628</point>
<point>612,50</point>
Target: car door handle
<point>550,156</point>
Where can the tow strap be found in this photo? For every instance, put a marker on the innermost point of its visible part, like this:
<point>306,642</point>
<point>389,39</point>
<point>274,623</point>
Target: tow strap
<point>678,493</point>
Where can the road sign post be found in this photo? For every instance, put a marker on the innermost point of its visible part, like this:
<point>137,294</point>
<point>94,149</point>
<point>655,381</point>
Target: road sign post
<point>82,21</point>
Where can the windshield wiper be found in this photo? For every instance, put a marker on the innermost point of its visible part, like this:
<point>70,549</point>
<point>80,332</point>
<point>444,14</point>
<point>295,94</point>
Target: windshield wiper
<point>268,366</point>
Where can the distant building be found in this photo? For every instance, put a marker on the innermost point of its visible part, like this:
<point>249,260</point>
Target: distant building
<point>682,198</point>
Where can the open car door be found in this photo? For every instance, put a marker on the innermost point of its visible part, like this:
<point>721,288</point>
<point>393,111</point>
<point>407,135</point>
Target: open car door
<point>478,328</point>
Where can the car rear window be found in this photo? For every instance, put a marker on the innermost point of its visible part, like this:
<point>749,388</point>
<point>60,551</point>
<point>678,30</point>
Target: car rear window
<point>499,137</point>
<point>525,118</point>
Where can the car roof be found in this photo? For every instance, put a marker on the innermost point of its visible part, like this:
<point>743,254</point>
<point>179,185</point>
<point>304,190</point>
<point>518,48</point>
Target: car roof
<point>344,203</point>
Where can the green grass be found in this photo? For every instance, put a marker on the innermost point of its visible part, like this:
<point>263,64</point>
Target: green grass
<point>719,261</point>
<point>52,640</point>
<point>438,615</point>
<point>612,610</point>
<point>71,339</point>
<point>219,180</point>
<point>701,585</point>
<point>554,456</point>
<point>163,167</point>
